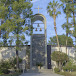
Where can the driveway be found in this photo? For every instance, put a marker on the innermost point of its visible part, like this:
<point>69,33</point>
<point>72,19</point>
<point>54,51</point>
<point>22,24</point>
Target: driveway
<point>40,74</point>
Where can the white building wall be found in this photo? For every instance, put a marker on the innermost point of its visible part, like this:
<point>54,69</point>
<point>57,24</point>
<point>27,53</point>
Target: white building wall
<point>70,50</point>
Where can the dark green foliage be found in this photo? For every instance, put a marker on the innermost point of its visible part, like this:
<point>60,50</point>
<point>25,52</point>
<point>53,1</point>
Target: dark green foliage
<point>67,10</point>
<point>53,7</point>
<point>69,66</point>
<point>74,68</point>
<point>70,10</point>
<point>4,66</point>
<point>4,71</point>
<point>56,70</point>
<point>62,40</point>
<point>67,26</point>
<point>13,14</point>
<point>13,74</point>
<point>59,56</point>
<point>10,15</point>
<point>15,61</point>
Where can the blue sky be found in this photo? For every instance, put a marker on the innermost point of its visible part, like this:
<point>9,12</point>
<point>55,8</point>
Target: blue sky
<point>50,26</point>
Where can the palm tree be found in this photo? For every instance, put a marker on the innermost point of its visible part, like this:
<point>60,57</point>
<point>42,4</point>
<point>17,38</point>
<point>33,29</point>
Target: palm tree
<point>73,8</point>
<point>52,9</point>
<point>72,11</point>
<point>67,25</point>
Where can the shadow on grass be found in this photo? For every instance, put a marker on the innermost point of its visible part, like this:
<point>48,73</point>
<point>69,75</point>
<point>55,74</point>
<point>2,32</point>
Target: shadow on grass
<point>13,74</point>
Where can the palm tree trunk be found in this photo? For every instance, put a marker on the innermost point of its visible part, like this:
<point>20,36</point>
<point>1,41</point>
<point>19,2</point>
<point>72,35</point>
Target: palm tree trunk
<point>67,34</point>
<point>66,42</point>
<point>74,20</point>
<point>54,16</point>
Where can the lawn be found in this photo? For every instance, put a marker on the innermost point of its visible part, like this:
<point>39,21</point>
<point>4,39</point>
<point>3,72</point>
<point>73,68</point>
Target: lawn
<point>68,73</point>
<point>14,74</point>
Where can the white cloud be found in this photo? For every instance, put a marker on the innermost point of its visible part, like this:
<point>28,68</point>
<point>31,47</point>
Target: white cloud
<point>34,1</point>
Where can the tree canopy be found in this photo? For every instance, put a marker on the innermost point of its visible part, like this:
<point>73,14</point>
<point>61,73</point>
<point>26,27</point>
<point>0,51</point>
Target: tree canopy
<point>62,40</point>
<point>13,14</point>
<point>59,56</point>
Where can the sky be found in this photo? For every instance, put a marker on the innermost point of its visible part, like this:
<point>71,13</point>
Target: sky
<point>49,20</point>
<point>50,26</point>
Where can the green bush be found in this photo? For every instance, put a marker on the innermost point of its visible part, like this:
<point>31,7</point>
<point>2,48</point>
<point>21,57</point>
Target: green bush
<point>4,71</point>
<point>13,74</point>
<point>4,66</point>
<point>56,70</point>
<point>69,66</point>
<point>15,61</point>
<point>74,68</point>
<point>59,56</point>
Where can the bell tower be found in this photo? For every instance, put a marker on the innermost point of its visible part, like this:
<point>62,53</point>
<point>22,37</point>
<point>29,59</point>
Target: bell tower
<point>38,49</point>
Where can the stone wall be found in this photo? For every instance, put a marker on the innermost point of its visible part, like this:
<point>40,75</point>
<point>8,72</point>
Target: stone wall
<point>9,52</point>
<point>38,49</point>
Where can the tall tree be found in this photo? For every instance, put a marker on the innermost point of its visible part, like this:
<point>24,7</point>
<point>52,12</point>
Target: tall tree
<point>15,23</point>
<point>53,10</point>
<point>4,14</point>
<point>67,25</point>
<point>73,9</point>
<point>72,4</point>
<point>18,7</point>
<point>62,40</point>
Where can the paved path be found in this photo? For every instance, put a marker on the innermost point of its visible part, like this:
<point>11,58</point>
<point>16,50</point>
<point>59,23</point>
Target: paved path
<point>40,74</point>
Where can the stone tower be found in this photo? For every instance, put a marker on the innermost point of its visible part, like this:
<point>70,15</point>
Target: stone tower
<point>38,49</point>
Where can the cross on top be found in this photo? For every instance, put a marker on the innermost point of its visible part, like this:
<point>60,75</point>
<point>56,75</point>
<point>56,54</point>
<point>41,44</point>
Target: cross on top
<point>38,9</point>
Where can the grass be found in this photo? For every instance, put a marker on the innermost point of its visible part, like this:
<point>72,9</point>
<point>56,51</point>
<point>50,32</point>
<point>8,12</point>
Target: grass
<point>13,74</point>
<point>68,73</point>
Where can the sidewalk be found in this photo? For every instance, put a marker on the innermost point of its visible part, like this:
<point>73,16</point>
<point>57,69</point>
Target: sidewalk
<point>40,74</point>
